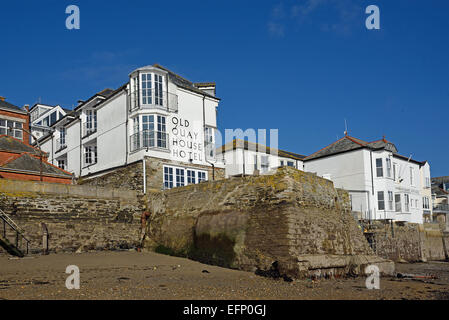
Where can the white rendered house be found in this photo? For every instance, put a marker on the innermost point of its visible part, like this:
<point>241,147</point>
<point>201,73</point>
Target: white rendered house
<point>383,185</point>
<point>248,158</point>
<point>158,118</point>
<point>42,117</point>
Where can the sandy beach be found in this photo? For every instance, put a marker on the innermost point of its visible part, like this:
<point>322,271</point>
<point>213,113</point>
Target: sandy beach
<point>150,276</point>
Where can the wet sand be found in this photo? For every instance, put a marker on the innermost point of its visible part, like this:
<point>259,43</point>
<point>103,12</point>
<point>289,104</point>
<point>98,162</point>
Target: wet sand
<point>142,276</point>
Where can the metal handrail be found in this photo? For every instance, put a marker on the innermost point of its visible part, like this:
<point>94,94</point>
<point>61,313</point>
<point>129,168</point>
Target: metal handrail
<point>89,128</point>
<point>60,144</point>
<point>149,139</point>
<point>154,99</point>
<point>19,232</point>
<point>442,207</point>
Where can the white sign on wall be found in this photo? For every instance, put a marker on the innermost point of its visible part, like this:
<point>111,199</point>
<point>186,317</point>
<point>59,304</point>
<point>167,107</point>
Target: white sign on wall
<point>186,140</point>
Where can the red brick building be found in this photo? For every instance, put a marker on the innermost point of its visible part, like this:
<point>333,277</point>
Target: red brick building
<point>12,120</point>
<point>18,159</point>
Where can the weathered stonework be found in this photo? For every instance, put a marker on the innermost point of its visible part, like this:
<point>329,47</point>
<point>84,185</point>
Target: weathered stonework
<point>410,242</point>
<point>131,176</point>
<point>77,218</point>
<point>294,218</point>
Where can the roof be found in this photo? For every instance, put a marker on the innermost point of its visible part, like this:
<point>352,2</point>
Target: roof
<point>439,191</point>
<point>32,164</point>
<point>11,144</point>
<point>184,83</point>
<point>10,107</point>
<point>440,180</point>
<point>348,143</point>
<point>237,143</point>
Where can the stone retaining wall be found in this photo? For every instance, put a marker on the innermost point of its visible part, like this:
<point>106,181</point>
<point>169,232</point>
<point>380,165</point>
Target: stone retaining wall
<point>77,217</point>
<point>293,218</point>
<point>410,242</point>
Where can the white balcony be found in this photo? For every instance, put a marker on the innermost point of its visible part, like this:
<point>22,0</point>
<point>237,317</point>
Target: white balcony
<point>149,139</point>
<point>152,99</point>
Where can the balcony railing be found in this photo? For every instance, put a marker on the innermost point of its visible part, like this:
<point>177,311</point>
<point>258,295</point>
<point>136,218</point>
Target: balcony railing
<point>89,128</point>
<point>60,144</point>
<point>153,99</point>
<point>441,208</point>
<point>150,139</point>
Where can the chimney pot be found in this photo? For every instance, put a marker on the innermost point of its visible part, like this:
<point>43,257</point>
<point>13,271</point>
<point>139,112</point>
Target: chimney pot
<point>2,98</point>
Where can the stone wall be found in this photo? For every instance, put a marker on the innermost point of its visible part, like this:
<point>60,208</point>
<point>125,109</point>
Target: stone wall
<point>77,217</point>
<point>131,176</point>
<point>409,242</point>
<point>293,218</point>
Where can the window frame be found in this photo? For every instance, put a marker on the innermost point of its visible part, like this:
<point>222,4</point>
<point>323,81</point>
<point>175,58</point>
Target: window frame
<point>381,202</point>
<point>379,169</point>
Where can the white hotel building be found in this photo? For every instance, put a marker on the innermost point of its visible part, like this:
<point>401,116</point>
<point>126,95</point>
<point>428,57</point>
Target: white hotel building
<point>383,185</point>
<point>158,119</point>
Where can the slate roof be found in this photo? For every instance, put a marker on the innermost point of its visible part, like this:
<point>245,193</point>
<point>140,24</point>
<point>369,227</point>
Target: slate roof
<point>237,143</point>
<point>29,163</point>
<point>348,143</point>
<point>8,143</point>
<point>183,82</point>
<point>440,180</point>
<point>11,107</point>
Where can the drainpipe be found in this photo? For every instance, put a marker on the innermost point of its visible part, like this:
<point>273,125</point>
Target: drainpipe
<point>204,139</point>
<point>144,176</point>
<point>128,105</point>
<point>81,146</point>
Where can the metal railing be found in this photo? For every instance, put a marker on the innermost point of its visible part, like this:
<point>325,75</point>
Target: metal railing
<point>7,221</point>
<point>150,139</point>
<point>89,128</point>
<point>154,99</point>
<point>60,144</point>
<point>441,207</point>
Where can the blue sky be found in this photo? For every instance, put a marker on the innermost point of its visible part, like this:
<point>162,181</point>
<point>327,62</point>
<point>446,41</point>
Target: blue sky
<point>301,66</point>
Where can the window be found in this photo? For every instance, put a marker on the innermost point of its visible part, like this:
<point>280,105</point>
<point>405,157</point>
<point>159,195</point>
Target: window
<point>394,171</point>
<point>147,95</point>
<point>265,164</point>
<point>11,128</point>
<point>426,203</point>
<point>201,176</point>
<point>390,200</point>
<point>282,163</point>
<point>148,131</point>
<point>411,176</point>
<point>161,132</point>
<point>191,177</point>
<point>380,200</point>
<point>379,168</point>
<point>62,134</point>
<point>61,164</point>
<point>168,177</point>
<point>210,141</point>
<point>53,118</point>
<point>290,164</point>
<point>180,177</point>
<point>397,199</point>
<point>255,162</point>
<point>388,162</point>
<point>90,155</point>
<point>158,95</point>
<point>428,183</point>
<point>407,202</point>
<point>91,121</point>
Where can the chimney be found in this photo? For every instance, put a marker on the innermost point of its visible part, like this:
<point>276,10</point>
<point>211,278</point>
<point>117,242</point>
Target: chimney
<point>2,98</point>
<point>26,107</point>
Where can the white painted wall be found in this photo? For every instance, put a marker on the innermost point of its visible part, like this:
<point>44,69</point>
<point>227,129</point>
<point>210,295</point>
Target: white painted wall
<point>352,171</point>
